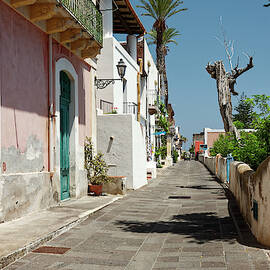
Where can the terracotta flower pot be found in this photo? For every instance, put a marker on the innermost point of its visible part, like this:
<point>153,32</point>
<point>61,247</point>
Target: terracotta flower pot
<point>96,189</point>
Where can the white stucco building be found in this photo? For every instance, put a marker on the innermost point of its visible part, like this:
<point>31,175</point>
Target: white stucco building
<point>121,120</point>
<point>149,103</point>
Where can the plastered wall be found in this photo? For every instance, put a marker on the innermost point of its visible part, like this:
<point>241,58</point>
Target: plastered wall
<point>248,187</point>
<point>120,140</point>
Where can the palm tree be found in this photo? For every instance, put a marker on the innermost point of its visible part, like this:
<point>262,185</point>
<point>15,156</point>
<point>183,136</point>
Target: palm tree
<point>160,11</point>
<point>168,37</point>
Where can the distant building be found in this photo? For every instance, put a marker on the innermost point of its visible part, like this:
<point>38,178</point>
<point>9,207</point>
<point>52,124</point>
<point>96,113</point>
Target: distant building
<point>210,136</point>
<point>198,139</point>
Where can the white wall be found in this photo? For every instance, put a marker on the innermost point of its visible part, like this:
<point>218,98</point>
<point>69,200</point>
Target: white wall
<point>152,79</point>
<point>105,70</point>
<point>139,155</point>
<point>126,150</point>
<point>130,76</point>
<point>111,53</point>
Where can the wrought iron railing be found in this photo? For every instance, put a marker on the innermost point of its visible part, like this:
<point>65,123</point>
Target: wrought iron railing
<point>86,13</point>
<point>152,97</point>
<point>105,106</point>
<point>130,108</point>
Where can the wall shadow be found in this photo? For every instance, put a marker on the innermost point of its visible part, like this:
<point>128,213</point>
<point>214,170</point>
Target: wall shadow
<point>200,227</point>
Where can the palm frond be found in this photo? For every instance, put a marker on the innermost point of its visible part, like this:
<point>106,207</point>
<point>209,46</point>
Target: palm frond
<point>168,36</point>
<point>161,9</point>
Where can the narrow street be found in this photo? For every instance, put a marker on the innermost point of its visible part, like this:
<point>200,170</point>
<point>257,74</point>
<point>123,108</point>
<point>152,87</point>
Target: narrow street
<point>178,221</point>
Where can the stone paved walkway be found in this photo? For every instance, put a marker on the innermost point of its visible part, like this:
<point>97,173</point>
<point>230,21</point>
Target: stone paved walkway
<point>179,221</point>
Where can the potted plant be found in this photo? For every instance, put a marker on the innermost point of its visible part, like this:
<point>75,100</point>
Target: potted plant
<point>96,168</point>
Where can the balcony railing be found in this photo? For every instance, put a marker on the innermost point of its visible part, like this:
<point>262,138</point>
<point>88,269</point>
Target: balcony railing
<point>130,108</point>
<point>152,97</point>
<point>105,106</point>
<point>86,13</point>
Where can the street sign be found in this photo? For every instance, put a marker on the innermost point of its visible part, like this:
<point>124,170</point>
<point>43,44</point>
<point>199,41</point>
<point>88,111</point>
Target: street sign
<point>203,147</point>
<point>160,133</point>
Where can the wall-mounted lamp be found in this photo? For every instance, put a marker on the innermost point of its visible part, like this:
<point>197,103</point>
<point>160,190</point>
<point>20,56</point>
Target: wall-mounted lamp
<point>121,69</point>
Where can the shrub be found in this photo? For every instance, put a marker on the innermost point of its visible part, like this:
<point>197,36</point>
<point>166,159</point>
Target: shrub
<point>95,165</point>
<point>161,152</point>
<point>249,149</point>
<point>175,156</point>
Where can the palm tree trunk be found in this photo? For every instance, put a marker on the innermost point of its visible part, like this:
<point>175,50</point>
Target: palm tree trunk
<point>165,80</point>
<point>159,49</point>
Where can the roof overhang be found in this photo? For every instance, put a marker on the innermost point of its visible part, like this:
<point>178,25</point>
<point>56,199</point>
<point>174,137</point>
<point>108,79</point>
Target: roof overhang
<point>125,19</point>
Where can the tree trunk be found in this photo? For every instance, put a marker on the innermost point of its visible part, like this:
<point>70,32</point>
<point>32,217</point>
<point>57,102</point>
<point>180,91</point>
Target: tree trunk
<point>218,72</point>
<point>224,96</point>
<point>159,53</point>
<point>165,81</point>
<point>225,86</point>
<point>159,49</point>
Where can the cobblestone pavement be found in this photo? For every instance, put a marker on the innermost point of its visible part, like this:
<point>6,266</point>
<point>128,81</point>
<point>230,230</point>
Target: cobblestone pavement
<point>179,221</point>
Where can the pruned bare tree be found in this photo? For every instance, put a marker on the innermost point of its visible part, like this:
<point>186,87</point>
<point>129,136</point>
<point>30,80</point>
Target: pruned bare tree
<point>225,86</point>
<point>226,82</point>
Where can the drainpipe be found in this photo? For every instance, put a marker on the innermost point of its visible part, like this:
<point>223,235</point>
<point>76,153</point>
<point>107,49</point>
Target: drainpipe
<point>51,112</point>
<point>139,90</point>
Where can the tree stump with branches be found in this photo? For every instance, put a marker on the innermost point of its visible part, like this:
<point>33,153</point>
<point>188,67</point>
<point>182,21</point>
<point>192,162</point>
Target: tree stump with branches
<point>225,87</point>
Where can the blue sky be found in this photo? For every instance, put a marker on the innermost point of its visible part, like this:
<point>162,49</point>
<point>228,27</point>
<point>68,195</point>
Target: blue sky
<point>192,92</point>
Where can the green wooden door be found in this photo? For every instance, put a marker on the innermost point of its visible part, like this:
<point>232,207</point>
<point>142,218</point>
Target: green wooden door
<point>64,135</point>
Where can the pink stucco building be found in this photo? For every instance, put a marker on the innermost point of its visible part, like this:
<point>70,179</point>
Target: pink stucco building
<point>47,102</point>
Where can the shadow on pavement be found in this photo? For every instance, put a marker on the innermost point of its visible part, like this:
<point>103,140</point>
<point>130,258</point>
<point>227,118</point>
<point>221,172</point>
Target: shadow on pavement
<point>200,227</point>
<point>197,227</point>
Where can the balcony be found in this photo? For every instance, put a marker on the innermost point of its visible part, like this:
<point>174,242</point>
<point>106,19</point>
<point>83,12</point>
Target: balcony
<point>130,108</point>
<point>86,13</point>
<point>76,24</point>
<point>152,102</point>
<point>106,107</point>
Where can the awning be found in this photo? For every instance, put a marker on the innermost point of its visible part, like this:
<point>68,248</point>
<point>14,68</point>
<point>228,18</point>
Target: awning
<point>125,19</point>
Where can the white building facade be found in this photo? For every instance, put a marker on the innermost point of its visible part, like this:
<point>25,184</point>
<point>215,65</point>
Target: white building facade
<point>120,134</point>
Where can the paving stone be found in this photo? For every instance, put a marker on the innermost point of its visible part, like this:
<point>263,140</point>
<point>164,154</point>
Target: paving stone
<point>187,226</point>
<point>212,264</point>
<point>168,259</point>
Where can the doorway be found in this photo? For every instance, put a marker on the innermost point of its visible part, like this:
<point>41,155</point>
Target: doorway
<point>65,85</point>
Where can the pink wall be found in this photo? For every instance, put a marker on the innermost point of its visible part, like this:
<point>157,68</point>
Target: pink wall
<point>24,86</point>
<point>212,137</point>
<point>24,82</point>
<point>83,71</point>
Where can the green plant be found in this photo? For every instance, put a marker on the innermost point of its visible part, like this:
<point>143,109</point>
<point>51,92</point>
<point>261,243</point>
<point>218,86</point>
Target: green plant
<point>159,166</point>
<point>249,149</point>
<point>163,123</point>
<point>95,165</point>
<point>244,116</point>
<point>161,152</point>
<point>192,149</point>
<point>162,109</point>
<point>224,145</point>
<point>238,124</point>
<point>175,156</point>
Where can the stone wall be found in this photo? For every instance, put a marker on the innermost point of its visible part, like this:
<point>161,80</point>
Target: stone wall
<point>251,190</point>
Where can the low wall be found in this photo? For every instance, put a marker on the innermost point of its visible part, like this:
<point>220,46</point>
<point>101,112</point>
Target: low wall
<point>210,164</point>
<point>21,194</point>
<point>251,190</point>
<point>221,169</point>
<point>118,185</point>
<point>121,139</point>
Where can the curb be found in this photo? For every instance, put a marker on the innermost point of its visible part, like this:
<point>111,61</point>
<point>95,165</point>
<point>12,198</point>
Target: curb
<point>12,257</point>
